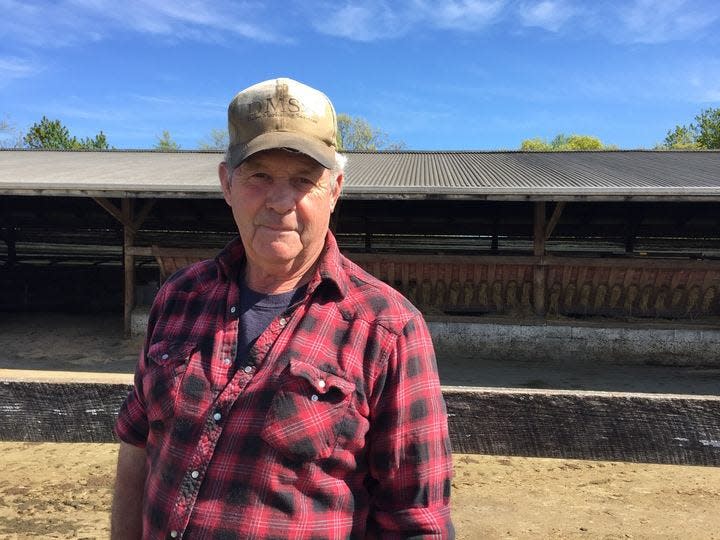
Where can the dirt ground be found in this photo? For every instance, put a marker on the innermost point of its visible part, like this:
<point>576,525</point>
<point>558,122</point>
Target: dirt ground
<point>51,490</point>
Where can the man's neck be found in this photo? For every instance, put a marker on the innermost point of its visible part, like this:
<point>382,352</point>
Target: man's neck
<point>275,281</point>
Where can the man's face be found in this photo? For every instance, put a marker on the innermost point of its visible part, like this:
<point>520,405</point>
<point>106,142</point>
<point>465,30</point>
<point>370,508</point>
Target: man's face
<point>282,203</point>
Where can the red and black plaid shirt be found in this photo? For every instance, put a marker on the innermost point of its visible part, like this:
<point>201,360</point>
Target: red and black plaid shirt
<point>335,427</point>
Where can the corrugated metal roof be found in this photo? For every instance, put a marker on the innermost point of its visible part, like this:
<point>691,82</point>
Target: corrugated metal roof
<point>611,175</point>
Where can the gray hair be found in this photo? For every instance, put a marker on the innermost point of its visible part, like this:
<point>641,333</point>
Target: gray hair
<point>339,168</point>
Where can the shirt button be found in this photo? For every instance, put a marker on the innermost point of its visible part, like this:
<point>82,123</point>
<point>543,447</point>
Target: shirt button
<point>226,361</point>
<point>314,397</point>
<point>283,321</point>
<point>194,474</point>
<point>165,356</point>
<point>233,309</point>
<point>217,416</point>
<point>321,383</point>
<point>247,369</point>
<point>173,534</point>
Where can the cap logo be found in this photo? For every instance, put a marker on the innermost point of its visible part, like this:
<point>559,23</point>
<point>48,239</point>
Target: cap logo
<point>273,107</point>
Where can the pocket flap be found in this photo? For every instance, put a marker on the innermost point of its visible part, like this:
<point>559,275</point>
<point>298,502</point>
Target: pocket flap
<point>321,381</point>
<point>169,352</point>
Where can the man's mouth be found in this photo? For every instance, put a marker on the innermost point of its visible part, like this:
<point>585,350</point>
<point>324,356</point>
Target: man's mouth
<point>277,228</point>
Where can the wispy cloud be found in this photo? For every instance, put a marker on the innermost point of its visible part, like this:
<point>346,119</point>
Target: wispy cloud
<point>73,22</point>
<point>366,21</point>
<point>12,67</point>
<point>44,24</point>
<point>378,19</point>
<point>548,14</point>
<point>465,15</point>
<point>636,21</point>
<point>658,21</point>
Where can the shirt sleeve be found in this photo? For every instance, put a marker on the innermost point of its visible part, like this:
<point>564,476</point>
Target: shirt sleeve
<point>410,456</point>
<point>132,424</point>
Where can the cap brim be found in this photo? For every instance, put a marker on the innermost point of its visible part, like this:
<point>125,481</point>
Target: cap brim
<point>317,150</point>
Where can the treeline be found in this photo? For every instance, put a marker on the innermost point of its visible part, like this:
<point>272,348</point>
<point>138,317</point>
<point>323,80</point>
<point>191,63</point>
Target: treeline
<point>356,134</point>
<point>703,134</point>
<point>54,135</point>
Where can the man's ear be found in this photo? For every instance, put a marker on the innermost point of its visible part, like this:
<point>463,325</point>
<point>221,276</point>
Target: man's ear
<point>337,189</point>
<point>225,181</point>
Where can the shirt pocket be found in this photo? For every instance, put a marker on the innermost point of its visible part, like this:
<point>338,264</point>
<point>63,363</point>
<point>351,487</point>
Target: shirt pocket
<point>167,363</point>
<point>308,413</point>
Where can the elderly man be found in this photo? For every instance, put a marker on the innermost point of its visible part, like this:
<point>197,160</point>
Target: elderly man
<point>282,392</point>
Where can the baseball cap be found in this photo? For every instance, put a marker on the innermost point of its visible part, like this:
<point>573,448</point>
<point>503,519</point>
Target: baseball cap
<point>282,113</point>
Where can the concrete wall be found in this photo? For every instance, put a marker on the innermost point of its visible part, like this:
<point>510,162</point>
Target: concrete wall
<point>612,343</point>
<point>567,341</point>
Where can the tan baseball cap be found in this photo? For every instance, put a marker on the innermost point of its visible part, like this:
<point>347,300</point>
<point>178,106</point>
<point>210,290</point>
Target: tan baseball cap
<point>282,113</point>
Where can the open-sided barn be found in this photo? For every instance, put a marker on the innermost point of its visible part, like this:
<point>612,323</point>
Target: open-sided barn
<point>478,240</point>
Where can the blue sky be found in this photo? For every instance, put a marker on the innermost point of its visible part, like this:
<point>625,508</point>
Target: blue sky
<point>443,74</point>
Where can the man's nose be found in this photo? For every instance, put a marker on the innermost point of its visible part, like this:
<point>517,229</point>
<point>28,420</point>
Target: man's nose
<point>280,197</point>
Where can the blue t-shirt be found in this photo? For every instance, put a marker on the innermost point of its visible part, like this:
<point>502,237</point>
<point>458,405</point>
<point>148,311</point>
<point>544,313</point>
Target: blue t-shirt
<point>257,311</point>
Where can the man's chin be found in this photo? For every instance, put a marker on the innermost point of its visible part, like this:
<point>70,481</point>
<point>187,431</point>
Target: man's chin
<point>279,253</point>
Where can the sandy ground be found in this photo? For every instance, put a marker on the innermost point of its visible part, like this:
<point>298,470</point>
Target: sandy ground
<point>51,490</point>
<point>63,490</point>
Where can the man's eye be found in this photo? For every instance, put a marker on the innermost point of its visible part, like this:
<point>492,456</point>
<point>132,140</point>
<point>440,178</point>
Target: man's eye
<point>304,183</point>
<point>259,177</point>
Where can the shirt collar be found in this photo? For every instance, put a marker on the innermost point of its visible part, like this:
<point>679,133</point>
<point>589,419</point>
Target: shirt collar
<point>329,271</point>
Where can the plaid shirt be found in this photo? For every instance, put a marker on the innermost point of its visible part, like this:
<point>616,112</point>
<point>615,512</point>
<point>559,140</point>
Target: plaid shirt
<point>335,427</point>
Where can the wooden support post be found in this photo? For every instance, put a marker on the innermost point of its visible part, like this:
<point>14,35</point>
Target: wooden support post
<point>539,251</point>
<point>131,224</point>
<point>128,263</point>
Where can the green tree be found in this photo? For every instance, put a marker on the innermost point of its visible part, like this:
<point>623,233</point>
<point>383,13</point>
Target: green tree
<point>584,142</point>
<point>537,144</point>
<point>53,135</point>
<point>165,143</point>
<point>708,128</point>
<point>355,133</point>
<point>703,134</point>
<point>681,138</point>
<point>216,140</point>
<point>562,143</point>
